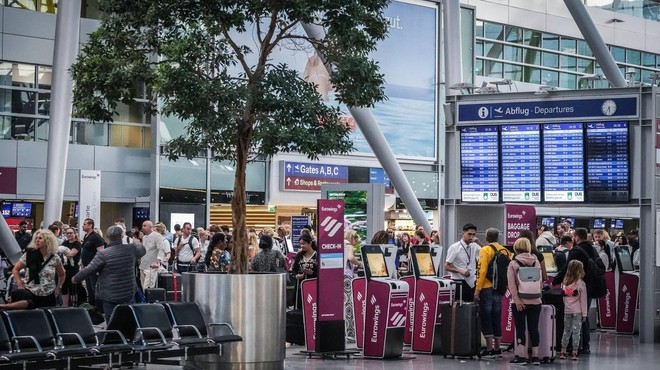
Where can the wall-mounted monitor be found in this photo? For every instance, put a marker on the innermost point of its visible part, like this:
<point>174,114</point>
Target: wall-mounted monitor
<point>608,177</point>
<point>599,223</point>
<point>563,162</point>
<point>140,213</point>
<point>480,164</point>
<point>521,163</point>
<point>616,223</point>
<point>20,209</point>
<point>548,221</point>
<point>6,209</point>
<point>569,219</point>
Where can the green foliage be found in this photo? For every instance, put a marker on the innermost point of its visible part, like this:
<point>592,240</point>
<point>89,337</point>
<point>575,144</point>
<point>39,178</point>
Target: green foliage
<point>193,56</point>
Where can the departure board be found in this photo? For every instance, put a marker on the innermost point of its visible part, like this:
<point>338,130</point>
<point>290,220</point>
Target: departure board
<point>480,168</point>
<point>607,162</point>
<point>521,163</point>
<point>563,159</point>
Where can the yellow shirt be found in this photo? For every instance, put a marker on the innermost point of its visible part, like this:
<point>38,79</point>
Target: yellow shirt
<point>485,256</point>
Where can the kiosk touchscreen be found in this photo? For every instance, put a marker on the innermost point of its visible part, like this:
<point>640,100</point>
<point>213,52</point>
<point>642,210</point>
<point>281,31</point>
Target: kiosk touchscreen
<point>430,293</point>
<point>623,258</point>
<point>389,252</point>
<point>385,307</point>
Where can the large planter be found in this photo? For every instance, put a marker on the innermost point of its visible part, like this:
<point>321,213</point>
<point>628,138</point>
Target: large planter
<point>254,304</point>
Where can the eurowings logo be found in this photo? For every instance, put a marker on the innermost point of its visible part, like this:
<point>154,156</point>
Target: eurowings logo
<point>422,297</point>
<point>624,289</point>
<point>359,296</point>
<point>373,299</point>
<point>398,319</point>
<point>331,226</point>
<point>309,298</point>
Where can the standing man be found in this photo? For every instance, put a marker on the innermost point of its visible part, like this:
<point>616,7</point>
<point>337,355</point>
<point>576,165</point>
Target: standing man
<point>92,243</point>
<point>488,296</point>
<point>115,266</point>
<point>462,259</point>
<point>187,250</point>
<point>23,238</point>
<point>561,253</point>
<point>150,263</point>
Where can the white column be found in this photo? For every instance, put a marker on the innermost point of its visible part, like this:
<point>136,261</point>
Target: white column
<point>451,19</point>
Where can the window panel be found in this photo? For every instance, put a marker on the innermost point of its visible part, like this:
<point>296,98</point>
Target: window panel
<point>513,72</point>
<point>550,60</point>
<point>493,69</point>
<point>5,128</point>
<point>126,136</point>
<point>532,56</point>
<point>479,67</point>
<point>479,28</point>
<point>91,134</point>
<point>514,34</point>
<point>583,48</point>
<point>41,129</point>
<point>5,100</point>
<point>43,104</point>
<point>493,50</point>
<point>130,113</point>
<point>532,38</point>
<point>45,77</point>
<point>619,54</point>
<point>493,31</point>
<point>23,102</point>
<point>550,78</point>
<point>513,53</point>
<point>568,63</point>
<point>648,60</point>
<point>586,65</point>
<point>550,41</point>
<point>479,48</point>
<point>567,80</point>
<point>634,56</point>
<point>17,75</point>
<point>532,75</point>
<point>568,45</point>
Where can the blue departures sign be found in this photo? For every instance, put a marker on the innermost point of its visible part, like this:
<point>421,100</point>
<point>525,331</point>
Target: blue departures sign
<point>563,162</point>
<point>480,169</point>
<point>607,162</point>
<point>521,163</point>
<point>548,110</point>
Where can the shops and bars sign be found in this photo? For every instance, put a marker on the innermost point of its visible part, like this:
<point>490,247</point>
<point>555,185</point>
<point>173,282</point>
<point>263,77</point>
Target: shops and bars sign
<point>310,176</point>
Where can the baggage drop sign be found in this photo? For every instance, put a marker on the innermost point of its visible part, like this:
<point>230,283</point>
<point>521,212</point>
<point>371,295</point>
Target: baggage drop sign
<point>519,217</point>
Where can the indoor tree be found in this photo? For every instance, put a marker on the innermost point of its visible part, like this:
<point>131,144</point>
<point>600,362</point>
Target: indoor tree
<point>211,64</point>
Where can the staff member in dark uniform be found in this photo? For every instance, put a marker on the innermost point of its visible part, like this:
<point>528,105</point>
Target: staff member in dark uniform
<point>91,244</point>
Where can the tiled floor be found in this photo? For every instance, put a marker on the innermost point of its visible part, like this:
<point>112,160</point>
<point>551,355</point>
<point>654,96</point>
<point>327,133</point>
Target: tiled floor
<point>609,351</point>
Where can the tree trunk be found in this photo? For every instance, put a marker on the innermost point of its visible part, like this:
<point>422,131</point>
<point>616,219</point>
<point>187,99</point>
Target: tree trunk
<point>239,251</point>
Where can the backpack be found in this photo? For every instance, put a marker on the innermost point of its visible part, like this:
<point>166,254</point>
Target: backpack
<point>497,269</point>
<point>528,280</point>
<point>594,275</point>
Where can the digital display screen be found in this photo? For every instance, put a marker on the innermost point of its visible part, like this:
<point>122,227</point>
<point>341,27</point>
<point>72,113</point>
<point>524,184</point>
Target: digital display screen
<point>624,259</point>
<point>377,266</point>
<point>521,163</point>
<point>607,162</point>
<point>599,223</point>
<point>569,219</point>
<point>141,213</point>
<point>425,264</point>
<point>21,210</point>
<point>480,168</point>
<point>378,176</point>
<point>548,221</point>
<point>617,223</point>
<point>6,210</point>
<point>563,162</point>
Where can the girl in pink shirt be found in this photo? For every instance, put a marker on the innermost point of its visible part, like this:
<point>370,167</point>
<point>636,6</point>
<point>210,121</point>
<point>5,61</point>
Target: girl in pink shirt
<point>575,302</point>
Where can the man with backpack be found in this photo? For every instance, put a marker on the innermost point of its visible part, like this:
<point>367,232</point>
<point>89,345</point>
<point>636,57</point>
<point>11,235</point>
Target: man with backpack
<point>584,252</point>
<point>187,250</point>
<point>490,287</point>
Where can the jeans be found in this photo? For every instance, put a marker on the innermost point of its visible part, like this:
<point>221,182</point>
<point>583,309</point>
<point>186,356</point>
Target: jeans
<point>91,288</point>
<point>572,326</point>
<point>527,320</point>
<point>465,292</point>
<point>107,308</point>
<point>490,307</point>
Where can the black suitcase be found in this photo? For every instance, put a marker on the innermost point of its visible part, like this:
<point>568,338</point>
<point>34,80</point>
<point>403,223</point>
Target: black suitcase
<point>295,327</point>
<point>555,297</point>
<point>460,331</point>
<point>171,282</point>
<point>154,295</point>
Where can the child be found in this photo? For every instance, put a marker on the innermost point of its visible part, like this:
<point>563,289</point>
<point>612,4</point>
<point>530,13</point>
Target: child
<point>575,302</point>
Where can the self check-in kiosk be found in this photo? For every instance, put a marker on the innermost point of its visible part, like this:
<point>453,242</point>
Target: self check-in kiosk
<point>627,321</point>
<point>386,304</point>
<point>430,292</point>
<point>358,291</point>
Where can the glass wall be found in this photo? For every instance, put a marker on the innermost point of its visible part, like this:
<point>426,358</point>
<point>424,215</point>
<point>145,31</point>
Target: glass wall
<point>88,8</point>
<point>25,112</point>
<point>647,9</point>
<point>526,55</point>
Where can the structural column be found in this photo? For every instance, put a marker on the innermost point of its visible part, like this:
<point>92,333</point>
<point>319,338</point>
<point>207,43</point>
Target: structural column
<point>67,36</point>
<point>451,19</point>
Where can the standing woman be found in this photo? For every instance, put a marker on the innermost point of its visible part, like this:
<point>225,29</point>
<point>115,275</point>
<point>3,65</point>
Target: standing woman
<point>535,251</point>
<point>527,310</point>
<point>403,254</point>
<point>72,267</point>
<point>217,256</point>
<point>45,274</point>
<point>304,265</point>
<point>253,245</point>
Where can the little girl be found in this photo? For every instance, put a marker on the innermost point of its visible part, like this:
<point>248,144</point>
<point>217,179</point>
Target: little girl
<point>575,302</point>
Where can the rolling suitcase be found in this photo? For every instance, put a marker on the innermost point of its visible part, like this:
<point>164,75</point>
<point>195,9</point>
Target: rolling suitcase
<point>295,327</point>
<point>171,282</point>
<point>460,331</point>
<point>555,297</point>
<point>153,295</point>
<point>547,334</point>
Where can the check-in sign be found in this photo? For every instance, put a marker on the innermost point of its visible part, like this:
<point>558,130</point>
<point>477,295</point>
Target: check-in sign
<point>310,176</point>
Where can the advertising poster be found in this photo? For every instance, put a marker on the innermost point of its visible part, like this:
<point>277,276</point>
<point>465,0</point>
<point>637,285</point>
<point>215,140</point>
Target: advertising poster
<point>519,217</point>
<point>90,197</point>
<point>355,212</point>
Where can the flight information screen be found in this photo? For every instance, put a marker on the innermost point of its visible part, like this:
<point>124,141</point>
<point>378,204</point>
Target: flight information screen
<point>521,163</point>
<point>607,162</point>
<point>480,169</point>
<point>563,162</point>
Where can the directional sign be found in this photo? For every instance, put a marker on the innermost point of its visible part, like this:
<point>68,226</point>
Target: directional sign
<point>310,176</point>
<point>548,110</point>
